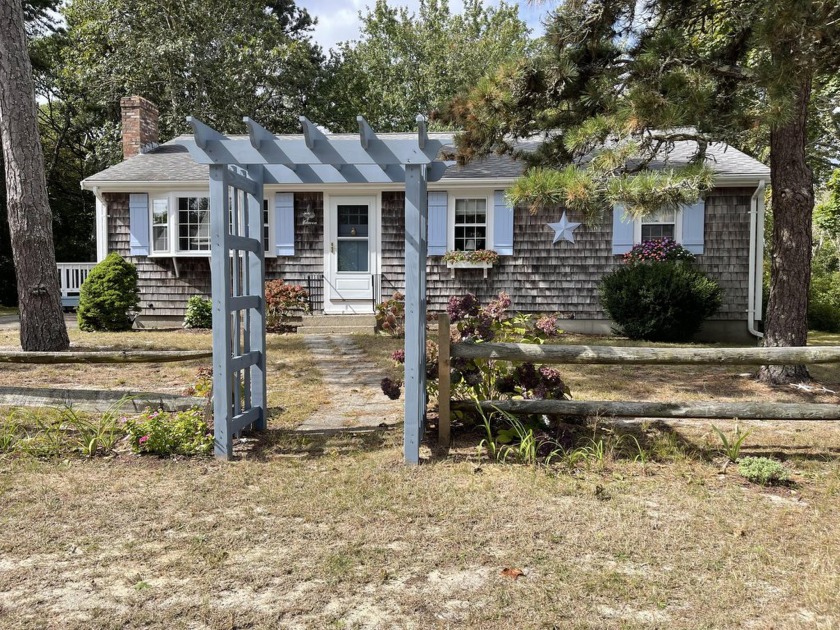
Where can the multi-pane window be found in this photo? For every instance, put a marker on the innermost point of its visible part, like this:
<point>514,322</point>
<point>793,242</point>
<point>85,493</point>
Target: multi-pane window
<point>193,224</point>
<point>186,229</point>
<point>659,225</point>
<point>352,237</point>
<point>470,224</point>
<point>160,225</point>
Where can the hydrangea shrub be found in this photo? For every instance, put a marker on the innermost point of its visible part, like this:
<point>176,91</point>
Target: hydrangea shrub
<point>281,302</point>
<point>658,250</point>
<point>658,294</point>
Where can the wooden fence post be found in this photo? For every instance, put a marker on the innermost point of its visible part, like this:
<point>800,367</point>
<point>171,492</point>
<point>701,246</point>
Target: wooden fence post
<point>444,363</point>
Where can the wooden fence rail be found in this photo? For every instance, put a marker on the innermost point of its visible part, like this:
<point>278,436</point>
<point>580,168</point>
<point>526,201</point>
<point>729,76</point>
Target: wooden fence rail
<point>119,356</point>
<point>611,355</point>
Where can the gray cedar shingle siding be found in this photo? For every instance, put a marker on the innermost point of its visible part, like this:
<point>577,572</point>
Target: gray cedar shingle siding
<point>539,276</point>
<point>564,277</point>
<point>161,293</point>
<point>164,295</point>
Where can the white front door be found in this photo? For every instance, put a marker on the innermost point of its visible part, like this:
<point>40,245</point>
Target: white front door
<point>351,257</point>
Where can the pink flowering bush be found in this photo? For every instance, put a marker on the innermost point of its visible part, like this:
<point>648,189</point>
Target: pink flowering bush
<point>473,322</point>
<point>658,250</point>
<point>170,432</point>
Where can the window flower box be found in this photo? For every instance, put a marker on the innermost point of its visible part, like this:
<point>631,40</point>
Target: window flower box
<point>478,259</point>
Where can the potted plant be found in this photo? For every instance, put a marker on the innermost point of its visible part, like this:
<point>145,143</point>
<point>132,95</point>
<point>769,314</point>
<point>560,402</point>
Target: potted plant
<point>477,259</point>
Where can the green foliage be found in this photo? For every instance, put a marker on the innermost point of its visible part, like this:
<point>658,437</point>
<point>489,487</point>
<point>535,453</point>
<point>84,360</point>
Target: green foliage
<point>590,190</point>
<point>390,315</point>
<point>281,302</point>
<point>619,85</point>
<point>218,61</point>
<point>404,63</point>
<point>170,433</point>
<point>109,296</point>
<point>659,301</point>
<point>476,256</point>
<point>658,250</point>
<point>51,433</point>
<point>763,470</point>
<point>490,380</point>
<point>199,313</point>
<point>732,444</point>
<point>824,300</point>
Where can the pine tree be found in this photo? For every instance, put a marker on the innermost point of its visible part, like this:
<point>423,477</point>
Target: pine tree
<point>632,78</point>
<point>30,223</point>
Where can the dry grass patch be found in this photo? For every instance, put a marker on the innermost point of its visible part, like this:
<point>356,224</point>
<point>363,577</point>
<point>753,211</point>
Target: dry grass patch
<point>336,532</point>
<point>295,388</point>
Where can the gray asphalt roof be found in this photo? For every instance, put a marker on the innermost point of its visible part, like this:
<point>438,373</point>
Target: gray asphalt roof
<point>170,162</point>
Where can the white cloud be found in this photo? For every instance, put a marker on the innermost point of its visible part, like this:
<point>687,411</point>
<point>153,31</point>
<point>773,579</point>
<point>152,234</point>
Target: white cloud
<point>339,21</point>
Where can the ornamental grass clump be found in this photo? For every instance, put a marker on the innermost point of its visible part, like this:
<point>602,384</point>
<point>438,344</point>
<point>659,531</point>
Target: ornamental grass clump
<point>658,295</point>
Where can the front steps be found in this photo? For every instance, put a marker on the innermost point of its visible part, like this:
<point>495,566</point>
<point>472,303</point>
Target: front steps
<point>336,324</point>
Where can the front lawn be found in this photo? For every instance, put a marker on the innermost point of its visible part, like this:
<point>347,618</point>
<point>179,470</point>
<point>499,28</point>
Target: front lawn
<point>309,531</point>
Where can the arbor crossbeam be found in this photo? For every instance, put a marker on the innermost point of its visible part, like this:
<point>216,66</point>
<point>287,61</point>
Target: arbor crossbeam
<point>239,169</point>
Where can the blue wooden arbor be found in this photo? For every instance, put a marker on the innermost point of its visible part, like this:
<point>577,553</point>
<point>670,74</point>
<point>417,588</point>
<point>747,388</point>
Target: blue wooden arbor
<point>239,169</point>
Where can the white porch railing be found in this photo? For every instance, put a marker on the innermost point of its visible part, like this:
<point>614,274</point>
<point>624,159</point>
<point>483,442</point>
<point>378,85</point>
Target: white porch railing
<point>70,278</point>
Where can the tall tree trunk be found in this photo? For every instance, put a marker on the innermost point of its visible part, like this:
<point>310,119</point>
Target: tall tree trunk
<point>30,221</point>
<point>792,184</point>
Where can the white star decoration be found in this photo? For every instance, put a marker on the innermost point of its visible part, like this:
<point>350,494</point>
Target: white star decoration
<point>564,229</point>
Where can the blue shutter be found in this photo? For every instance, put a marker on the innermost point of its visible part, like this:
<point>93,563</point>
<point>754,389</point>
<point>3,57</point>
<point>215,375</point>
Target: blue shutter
<point>138,224</point>
<point>622,241</point>
<point>693,226</point>
<point>502,224</point>
<point>438,210</point>
<point>284,224</point>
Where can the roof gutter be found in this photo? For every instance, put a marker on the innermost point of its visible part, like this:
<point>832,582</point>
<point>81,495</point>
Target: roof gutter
<point>756,268</point>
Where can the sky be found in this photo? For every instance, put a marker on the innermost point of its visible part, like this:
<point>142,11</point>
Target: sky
<point>338,20</point>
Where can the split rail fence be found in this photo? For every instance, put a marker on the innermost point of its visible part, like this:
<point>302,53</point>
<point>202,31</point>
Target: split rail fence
<point>611,355</point>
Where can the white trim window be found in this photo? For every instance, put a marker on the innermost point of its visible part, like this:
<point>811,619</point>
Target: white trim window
<point>470,223</point>
<point>193,224</point>
<point>180,224</point>
<point>160,225</point>
<point>662,224</point>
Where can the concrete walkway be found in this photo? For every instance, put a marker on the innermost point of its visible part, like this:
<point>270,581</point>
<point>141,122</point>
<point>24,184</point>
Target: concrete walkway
<point>356,399</point>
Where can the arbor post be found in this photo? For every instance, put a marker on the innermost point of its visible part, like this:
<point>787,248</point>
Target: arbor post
<point>416,245</point>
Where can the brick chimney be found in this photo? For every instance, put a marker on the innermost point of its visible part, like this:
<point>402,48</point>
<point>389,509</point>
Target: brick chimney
<point>139,125</point>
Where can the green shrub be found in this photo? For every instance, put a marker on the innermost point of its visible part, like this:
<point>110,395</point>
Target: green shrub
<point>763,470</point>
<point>661,301</point>
<point>109,296</point>
<point>824,301</point>
<point>199,313</point>
<point>170,433</point>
